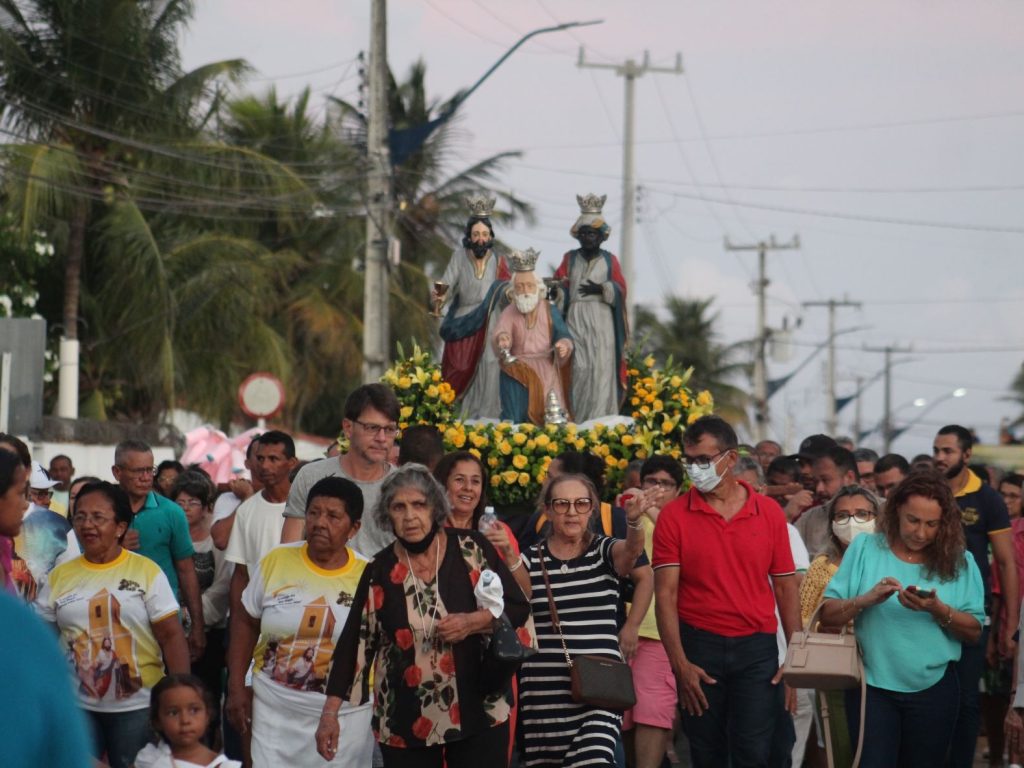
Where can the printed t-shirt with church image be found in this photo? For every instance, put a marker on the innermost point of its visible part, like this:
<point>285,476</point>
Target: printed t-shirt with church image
<point>105,614</point>
<point>302,609</point>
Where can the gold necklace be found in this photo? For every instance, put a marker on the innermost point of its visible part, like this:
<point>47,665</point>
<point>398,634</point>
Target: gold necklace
<point>428,632</point>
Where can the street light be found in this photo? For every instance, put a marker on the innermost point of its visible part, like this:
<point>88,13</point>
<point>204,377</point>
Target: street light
<point>956,393</point>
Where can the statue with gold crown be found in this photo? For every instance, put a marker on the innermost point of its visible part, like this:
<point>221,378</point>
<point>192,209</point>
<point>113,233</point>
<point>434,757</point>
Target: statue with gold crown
<point>534,346</point>
<point>594,301</point>
<point>474,285</point>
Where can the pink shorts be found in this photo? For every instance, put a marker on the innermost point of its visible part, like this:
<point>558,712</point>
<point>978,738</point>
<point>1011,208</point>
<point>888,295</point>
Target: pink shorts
<point>655,687</point>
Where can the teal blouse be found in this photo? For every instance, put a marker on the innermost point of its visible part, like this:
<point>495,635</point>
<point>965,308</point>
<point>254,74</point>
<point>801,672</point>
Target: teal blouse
<point>903,650</point>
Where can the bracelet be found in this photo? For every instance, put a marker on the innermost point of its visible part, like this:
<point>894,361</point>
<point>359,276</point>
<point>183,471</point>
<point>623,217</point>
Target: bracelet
<point>516,567</point>
<point>949,619</point>
<point>636,525</point>
<point>853,604</point>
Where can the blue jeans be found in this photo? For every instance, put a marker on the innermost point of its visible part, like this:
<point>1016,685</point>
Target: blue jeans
<point>965,735</point>
<point>743,705</point>
<point>120,735</point>
<point>905,730</point>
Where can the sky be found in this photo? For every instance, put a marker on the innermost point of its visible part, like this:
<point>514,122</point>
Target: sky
<point>885,135</point>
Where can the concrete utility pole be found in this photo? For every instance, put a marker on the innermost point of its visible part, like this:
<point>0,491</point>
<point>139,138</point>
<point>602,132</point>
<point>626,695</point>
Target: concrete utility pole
<point>857,409</point>
<point>887,427</point>
<point>831,421</point>
<point>761,340</point>
<point>378,202</point>
<point>630,71</point>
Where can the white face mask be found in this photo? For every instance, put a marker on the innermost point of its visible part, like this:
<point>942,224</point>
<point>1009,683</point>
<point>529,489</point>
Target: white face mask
<point>852,529</point>
<point>706,479</point>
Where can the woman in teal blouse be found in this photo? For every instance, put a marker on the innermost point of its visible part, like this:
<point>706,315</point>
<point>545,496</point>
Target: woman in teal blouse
<point>914,598</point>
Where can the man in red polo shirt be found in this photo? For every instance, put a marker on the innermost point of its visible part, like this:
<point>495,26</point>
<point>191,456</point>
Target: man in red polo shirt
<point>721,564</point>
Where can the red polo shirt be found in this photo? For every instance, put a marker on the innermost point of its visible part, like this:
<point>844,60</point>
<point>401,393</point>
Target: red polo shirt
<point>724,566</point>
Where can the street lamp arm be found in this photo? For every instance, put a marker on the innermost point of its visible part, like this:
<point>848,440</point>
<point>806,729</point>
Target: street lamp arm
<point>457,101</point>
<point>405,142</point>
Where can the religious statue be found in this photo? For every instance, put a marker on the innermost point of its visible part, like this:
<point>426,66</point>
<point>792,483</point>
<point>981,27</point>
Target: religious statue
<point>534,346</point>
<point>474,287</point>
<point>594,297</point>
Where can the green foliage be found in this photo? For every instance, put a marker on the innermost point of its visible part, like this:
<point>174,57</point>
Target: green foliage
<point>687,336</point>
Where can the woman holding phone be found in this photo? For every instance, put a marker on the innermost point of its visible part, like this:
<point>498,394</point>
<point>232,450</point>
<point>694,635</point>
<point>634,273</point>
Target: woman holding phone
<point>914,598</point>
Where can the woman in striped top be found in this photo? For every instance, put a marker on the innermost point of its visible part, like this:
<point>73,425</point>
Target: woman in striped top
<point>583,569</point>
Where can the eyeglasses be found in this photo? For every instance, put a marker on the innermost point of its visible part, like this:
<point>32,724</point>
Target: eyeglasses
<point>702,462</point>
<point>860,515</point>
<point>580,506</point>
<point>191,504</point>
<point>139,471</point>
<point>653,482</point>
<point>376,430</point>
<point>81,518</point>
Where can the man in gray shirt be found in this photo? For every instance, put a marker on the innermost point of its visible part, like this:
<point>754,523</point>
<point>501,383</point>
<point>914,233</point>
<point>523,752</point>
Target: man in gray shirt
<point>832,470</point>
<point>370,424</point>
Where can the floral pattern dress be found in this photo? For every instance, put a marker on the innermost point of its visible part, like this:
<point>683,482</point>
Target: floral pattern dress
<point>426,691</point>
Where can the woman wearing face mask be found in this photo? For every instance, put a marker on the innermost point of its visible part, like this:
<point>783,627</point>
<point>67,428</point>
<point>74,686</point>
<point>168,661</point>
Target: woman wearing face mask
<point>914,599</point>
<point>851,512</point>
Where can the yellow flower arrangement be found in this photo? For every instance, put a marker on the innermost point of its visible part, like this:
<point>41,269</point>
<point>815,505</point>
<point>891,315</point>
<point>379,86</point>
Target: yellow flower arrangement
<point>423,397</point>
<point>518,455</point>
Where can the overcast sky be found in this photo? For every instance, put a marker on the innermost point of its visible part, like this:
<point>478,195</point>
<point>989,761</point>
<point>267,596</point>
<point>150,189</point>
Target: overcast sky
<point>887,135</point>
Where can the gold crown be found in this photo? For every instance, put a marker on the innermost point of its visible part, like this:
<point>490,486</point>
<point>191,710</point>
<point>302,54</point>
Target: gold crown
<point>591,203</point>
<point>480,205</point>
<point>523,261</point>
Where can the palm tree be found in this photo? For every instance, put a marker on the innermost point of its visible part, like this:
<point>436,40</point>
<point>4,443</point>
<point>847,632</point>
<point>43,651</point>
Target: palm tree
<point>688,336</point>
<point>74,73</point>
<point>112,159</point>
<point>431,210</point>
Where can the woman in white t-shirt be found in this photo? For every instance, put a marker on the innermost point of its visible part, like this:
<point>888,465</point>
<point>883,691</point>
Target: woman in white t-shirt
<point>118,618</point>
<point>297,601</point>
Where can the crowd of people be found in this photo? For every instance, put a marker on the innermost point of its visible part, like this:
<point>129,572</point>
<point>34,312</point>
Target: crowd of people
<point>340,612</point>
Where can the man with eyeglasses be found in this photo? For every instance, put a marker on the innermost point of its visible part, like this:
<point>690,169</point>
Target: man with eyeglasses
<point>370,426</point>
<point>715,549</point>
<point>159,531</point>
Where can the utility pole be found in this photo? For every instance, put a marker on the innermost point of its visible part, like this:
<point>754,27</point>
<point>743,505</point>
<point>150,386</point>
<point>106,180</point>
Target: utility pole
<point>630,71</point>
<point>761,340</point>
<point>887,426</point>
<point>378,202</point>
<point>831,421</point>
<point>857,409</point>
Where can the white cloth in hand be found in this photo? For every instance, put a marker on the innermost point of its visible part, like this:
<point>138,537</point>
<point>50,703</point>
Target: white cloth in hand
<point>489,593</point>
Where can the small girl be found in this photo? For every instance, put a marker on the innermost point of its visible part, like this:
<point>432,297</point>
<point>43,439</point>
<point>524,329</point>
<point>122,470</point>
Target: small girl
<point>179,710</point>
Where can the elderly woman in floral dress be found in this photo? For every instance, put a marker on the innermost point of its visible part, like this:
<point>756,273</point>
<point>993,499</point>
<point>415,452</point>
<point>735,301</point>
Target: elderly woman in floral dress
<point>422,634</point>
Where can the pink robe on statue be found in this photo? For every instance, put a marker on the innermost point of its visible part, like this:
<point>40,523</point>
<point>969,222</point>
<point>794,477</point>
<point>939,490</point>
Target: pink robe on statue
<point>533,346</point>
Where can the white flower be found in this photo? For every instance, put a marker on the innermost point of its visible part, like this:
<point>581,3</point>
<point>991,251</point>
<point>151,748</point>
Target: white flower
<point>36,316</point>
<point>7,304</point>
<point>30,300</point>
<point>40,248</point>
<point>47,377</point>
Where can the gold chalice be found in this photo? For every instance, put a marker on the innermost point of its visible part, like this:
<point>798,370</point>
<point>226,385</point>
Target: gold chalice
<point>440,290</point>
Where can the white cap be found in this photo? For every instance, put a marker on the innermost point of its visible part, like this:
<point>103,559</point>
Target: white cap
<point>40,478</point>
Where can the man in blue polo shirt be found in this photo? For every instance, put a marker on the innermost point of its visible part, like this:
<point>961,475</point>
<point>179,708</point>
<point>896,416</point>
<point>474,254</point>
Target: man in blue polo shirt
<point>159,531</point>
<point>986,522</point>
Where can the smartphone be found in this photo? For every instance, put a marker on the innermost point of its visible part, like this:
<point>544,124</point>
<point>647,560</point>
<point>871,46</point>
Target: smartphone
<point>924,594</point>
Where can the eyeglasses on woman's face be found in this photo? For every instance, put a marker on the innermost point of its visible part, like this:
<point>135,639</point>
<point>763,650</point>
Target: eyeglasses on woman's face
<point>580,506</point>
<point>860,515</point>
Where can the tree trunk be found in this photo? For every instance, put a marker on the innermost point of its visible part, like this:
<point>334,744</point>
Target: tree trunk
<point>73,268</point>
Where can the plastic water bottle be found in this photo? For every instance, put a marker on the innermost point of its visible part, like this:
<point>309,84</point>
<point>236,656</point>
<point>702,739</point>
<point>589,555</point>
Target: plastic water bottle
<point>488,520</point>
